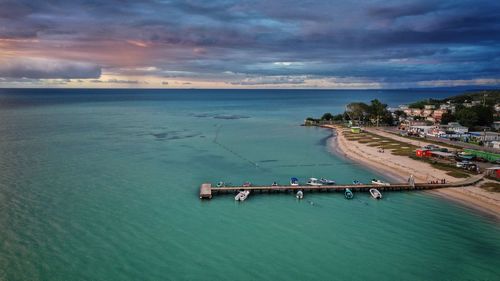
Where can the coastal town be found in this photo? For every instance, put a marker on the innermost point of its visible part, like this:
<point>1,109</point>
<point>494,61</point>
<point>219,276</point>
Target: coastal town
<point>434,141</point>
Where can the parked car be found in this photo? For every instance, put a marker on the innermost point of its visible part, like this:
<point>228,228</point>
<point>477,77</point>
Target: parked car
<point>432,147</point>
<point>463,164</point>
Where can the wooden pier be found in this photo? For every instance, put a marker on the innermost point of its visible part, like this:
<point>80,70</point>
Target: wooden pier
<point>207,190</point>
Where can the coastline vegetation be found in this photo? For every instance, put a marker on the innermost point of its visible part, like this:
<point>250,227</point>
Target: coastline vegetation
<point>375,113</point>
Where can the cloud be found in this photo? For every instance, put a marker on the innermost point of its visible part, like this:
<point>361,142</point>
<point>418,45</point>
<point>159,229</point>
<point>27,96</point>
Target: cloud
<point>118,81</point>
<point>271,80</point>
<point>251,42</point>
<point>39,68</point>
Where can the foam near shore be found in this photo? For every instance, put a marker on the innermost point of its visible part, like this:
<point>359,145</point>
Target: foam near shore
<point>399,168</point>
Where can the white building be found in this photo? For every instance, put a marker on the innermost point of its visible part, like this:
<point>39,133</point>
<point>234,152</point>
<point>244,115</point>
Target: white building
<point>496,125</point>
<point>455,127</point>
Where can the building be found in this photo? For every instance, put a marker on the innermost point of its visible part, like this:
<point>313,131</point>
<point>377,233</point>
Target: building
<point>427,112</point>
<point>494,144</point>
<point>455,127</point>
<point>429,106</point>
<point>438,114</point>
<point>486,136</point>
<point>420,130</point>
<point>496,125</point>
<point>448,106</point>
<point>493,172</point>
<point>355,130</point>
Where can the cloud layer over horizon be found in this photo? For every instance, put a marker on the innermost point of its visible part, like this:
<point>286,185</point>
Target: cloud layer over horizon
<point>225,43</point>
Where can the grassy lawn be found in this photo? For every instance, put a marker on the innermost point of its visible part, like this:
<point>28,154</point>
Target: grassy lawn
<point>491,186</point>
<point>403,149</point>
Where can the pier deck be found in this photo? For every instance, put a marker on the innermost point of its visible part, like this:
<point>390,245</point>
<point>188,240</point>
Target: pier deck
<point>207,190</point>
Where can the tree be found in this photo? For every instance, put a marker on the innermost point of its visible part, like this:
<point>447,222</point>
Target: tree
<point>338,117</point>
<point>357,111</point>
<point>484,115</point>
<point>447,118</point>
<point>378,111</point>
<point>467,117</point>
<point>327,116</point>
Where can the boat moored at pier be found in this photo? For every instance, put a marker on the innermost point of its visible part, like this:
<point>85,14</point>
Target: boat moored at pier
<point>242,195</point>
<point>314,182</point>
<point>327,181</point>
<point>299,194</point>
<point>348,194</point>
<point>379,182</point>
<point>375,193</point>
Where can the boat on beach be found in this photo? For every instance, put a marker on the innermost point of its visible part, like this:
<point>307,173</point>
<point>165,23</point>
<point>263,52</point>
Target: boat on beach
<point>299,194</point>
<point>379,182</point>
<point>375,193</point>
<point>294,181</point>
<point>348,194</point>
<point>326,181</point>
<point>314,182</point>
<point>242,195</point>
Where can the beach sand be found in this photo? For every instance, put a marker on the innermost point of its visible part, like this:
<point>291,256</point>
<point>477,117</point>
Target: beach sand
<point>399,168</point>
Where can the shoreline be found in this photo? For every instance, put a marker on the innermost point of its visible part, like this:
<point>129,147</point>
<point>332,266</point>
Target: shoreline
<point>398,168</point>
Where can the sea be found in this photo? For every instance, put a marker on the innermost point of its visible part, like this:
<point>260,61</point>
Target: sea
<point>103,185</point>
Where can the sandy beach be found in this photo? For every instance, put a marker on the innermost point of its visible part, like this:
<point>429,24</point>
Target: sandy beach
<point>399,168</point>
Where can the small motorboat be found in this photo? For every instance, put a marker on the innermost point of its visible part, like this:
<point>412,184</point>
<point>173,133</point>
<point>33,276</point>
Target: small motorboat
<point>221,184</point>
<point>314,182</point>
<point>294,181</point>
<point>299,194</point>
<point>238,196</point>
<point>375,193</point>
<point>326,181</point>
<point>348,194</point>
<point>247,184</point>
<point>242,195</point>
<point>379,182</point>
<point>274,184</point>
<point>356,182</point>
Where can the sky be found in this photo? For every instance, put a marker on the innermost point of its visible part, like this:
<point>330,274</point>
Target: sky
<point>249,44</point>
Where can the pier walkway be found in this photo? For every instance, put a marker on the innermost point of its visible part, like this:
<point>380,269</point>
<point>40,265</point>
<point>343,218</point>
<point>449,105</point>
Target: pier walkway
<point>207,191</point>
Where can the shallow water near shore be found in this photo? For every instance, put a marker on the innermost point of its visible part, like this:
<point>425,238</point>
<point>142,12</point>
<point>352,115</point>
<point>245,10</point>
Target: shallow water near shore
<point>103,185</point>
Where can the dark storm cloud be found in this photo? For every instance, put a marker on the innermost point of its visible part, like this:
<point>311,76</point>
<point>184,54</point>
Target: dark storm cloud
<point>374,40</point>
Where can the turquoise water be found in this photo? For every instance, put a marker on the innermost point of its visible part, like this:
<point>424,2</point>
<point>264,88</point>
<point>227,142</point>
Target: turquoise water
<point>103,185</point>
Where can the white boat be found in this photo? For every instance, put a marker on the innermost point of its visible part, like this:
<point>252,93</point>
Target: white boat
<point>379,182</point>
<point>300,194</point>
<point>294,181</point>
<point>375,193</point>
<point>238,196</point>
<point>327,181</point>
<point>242,195</point>
<point>314,182</point>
